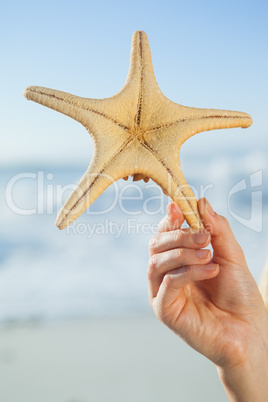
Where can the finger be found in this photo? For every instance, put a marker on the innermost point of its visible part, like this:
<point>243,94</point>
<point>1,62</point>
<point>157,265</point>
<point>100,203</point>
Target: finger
<point>171,289</point>
<point>160,264</point>
<point>173,220</point>
<point>223,240</point>
<point>180,238</point>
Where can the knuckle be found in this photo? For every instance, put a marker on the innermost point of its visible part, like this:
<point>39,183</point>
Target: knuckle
<point>209,228</point>
<point>152,262</point>
<point>179,253</point>
<point>151,266</point>
<point>167,280</point>
<point>223,220</point>
<point>153,243</point>
<point>178,234</point>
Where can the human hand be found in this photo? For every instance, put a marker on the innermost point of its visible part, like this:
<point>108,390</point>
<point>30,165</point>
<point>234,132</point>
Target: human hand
<point>213,302</point>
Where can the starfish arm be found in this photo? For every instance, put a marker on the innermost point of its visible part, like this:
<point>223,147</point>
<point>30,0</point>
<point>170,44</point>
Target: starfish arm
<point>91,186</point>
<point>109,163</point>
<point>176,187</point>
<point>191,121</point>
<point>141,90</point>
<point>84,110</point>
<point>140,59</point>
<point>166,172</point>
<point>120,108</point>
<point>62,102</point>
<point>199,120</point>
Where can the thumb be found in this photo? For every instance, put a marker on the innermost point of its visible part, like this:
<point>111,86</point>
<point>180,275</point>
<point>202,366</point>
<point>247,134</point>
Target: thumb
<point>223,240</point>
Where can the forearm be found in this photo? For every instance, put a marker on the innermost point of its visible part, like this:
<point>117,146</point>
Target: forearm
<point>247,382</point>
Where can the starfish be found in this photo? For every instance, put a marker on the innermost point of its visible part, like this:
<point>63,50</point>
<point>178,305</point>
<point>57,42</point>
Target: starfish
<point>137,132</point>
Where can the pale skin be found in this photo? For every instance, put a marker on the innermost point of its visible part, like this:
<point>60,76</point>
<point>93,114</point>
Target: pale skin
<point>211,300</point>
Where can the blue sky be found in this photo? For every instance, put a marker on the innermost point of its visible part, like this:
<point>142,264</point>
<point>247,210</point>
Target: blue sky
<point>205,54</point>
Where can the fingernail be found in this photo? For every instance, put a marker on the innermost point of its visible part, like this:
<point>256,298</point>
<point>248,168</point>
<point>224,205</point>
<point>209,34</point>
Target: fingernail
<point>200,238</point>
<point>202,253</point>
<point>210,267</point>
<point>209,208</point>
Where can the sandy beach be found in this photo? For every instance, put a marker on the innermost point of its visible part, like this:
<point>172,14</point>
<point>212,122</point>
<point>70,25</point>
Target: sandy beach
<point>115,359</point>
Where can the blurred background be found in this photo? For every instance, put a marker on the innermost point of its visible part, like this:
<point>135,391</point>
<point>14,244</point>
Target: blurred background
<point>91,277</point>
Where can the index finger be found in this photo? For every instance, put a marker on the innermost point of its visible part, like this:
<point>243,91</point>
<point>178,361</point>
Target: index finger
<point>173,220</point>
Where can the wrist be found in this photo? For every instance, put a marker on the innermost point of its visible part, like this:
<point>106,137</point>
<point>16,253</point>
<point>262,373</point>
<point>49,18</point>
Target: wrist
<point>248,380</point>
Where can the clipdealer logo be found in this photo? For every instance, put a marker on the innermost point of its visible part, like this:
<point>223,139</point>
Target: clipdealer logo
<point>48,197</point>
<point>254,185</point>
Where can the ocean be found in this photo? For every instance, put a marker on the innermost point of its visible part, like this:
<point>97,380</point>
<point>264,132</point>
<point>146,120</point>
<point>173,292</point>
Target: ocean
<point>97,266</point>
